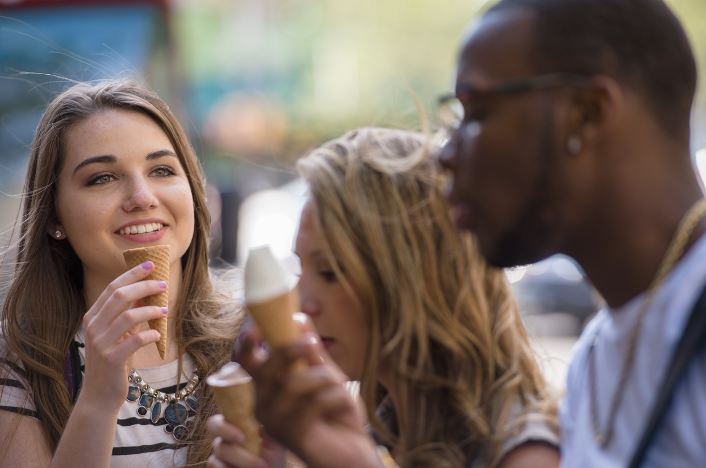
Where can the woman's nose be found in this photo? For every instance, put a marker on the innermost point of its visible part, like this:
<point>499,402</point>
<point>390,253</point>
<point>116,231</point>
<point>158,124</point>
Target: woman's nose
<point>139,196</point>
<point>309,304</point>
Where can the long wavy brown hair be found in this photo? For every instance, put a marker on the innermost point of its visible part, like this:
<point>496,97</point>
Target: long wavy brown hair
<point>45,304</point>
<point>441,320</point>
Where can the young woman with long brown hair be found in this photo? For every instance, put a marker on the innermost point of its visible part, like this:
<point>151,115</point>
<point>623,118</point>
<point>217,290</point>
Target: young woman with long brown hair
<point>403,302</point>
<point>110,169</point>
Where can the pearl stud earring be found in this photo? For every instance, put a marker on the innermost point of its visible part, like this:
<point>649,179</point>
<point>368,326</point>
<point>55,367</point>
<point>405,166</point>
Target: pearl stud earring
<point>574,145</point>
<point>57,234</point>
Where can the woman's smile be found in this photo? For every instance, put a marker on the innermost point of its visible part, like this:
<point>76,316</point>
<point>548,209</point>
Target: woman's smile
<point>142,231</point>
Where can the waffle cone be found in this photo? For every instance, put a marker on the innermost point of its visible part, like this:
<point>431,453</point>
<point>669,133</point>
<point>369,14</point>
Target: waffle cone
<point>237,403</point>
<point>159,255</point>
<point>276,320</point>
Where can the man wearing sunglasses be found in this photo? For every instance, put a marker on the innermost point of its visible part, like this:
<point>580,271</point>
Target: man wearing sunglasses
<point>569,133</point>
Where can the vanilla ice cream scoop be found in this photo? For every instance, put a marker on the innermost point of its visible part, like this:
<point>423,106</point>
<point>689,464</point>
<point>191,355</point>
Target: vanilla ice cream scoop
<point>270,299</point>
<point>230,374</point>
<point>265,278</point>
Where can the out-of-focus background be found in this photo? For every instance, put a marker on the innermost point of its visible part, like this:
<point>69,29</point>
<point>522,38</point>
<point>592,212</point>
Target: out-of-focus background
<point>256,83</point>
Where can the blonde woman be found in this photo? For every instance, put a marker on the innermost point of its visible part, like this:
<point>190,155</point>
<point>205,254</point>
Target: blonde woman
<point>402,302</point>
<point>107,158</point>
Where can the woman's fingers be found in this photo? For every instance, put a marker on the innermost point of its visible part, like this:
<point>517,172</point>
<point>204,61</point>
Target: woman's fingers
<point>218,426</point>
<point>131,276</point>
<point>121,300</point>
<point>119,353</point>
<point>125,323</point>
<point>214,462</point>
<point>236,455</point>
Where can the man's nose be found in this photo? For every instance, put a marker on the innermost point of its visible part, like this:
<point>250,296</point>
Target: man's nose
<point>448,154</point>
<point>139,196</point>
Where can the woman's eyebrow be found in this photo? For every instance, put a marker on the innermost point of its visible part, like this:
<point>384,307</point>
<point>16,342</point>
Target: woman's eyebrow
<point>109,158</point>
<point>105,158</point>
<point>160,153</point>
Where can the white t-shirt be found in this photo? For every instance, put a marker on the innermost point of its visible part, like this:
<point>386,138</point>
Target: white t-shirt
<point>680,441</point>
<point>138,442</point>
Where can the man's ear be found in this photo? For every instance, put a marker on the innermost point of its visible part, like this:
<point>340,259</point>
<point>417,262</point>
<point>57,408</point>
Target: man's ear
<point>597,108</point>
<point>55,229</point>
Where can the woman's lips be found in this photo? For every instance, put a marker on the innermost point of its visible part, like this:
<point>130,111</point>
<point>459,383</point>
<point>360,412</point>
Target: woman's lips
<point>146,237</point>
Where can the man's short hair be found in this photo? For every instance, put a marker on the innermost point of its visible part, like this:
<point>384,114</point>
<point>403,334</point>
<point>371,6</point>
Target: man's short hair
<point>640,43</point>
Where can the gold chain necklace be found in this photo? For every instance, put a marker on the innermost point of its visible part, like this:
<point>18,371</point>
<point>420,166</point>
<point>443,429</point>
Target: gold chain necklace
<point>674,252</point>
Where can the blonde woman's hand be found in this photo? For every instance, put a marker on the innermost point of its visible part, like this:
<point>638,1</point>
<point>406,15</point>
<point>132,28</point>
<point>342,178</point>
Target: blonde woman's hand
<point>112,336</point>
<point>228,451</point>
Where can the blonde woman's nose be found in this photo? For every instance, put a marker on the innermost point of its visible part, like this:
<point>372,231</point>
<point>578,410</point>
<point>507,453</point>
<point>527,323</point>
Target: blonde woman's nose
<point>309,304</point>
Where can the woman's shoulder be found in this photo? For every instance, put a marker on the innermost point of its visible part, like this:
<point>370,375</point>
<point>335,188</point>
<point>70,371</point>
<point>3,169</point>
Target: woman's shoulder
<point>9,360</point>
<point>15,395</point>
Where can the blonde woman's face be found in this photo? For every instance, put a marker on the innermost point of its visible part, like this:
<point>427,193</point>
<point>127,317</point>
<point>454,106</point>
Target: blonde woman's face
<point>341,323</point>
<point>121,187</point>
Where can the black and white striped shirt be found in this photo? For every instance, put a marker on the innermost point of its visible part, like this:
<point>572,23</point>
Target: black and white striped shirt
<point>137,442</point>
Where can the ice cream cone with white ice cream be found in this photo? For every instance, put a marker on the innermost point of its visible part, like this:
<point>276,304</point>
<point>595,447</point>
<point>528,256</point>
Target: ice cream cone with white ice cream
<point>159,256</point>
<point>235,395</point>
<point>271,300</point>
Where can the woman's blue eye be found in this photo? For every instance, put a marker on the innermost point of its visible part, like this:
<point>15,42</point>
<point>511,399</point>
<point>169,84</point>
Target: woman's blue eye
<point>101,179</point>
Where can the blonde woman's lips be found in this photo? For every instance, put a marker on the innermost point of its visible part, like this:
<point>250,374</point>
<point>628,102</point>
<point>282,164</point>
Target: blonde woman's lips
<point>327,342</point>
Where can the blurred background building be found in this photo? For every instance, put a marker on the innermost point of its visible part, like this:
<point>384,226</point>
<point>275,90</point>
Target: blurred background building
<point>255,83</point>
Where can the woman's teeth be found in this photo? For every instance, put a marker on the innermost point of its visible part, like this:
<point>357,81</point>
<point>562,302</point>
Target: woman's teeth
<point>142,228</point>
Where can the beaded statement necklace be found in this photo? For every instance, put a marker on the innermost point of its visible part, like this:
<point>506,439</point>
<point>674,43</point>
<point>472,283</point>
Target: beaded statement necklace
<point>674,252</point>
<point>178,406</point>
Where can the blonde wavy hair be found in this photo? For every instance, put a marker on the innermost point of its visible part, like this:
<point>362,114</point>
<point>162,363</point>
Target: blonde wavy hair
<point>441,320</point>
<point>45,303</point>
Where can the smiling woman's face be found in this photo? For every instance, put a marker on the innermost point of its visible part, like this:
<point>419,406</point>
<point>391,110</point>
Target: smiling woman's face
<point>121,187</point>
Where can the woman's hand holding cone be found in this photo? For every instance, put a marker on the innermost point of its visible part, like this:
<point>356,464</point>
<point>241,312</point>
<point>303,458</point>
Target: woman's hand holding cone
<point>228,450</point>
<point>112,336</point>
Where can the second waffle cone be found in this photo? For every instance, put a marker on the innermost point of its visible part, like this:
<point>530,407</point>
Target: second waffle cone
<point>159,255</point>
<point>237,403</point>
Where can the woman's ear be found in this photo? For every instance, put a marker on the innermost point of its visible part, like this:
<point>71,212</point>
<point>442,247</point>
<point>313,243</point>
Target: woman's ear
<point>55,229</point>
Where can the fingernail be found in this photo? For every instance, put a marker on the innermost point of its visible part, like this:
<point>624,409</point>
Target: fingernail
<point>147,265</point>
<point>165,311</point>
<point>162,284</point>
<point>313,339</point>
<point>299,317</point>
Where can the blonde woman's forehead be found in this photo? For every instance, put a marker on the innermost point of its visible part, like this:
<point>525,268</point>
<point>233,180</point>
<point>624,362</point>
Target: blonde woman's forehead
<point>308,242</point>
